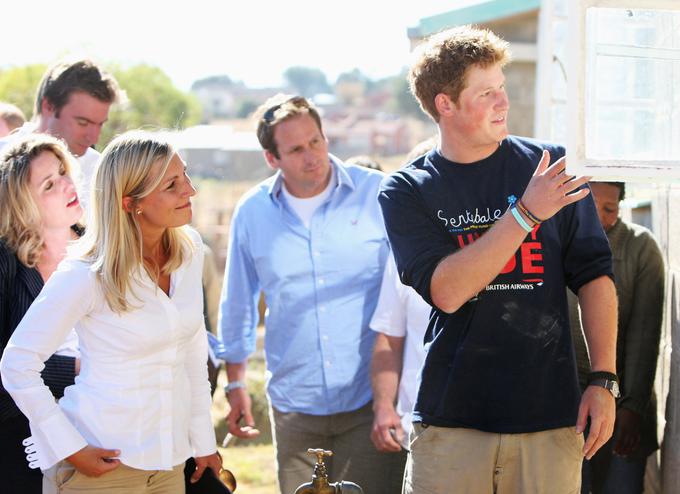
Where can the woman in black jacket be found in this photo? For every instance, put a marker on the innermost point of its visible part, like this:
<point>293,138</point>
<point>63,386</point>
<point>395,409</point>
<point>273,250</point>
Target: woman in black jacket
<point>39,214</point>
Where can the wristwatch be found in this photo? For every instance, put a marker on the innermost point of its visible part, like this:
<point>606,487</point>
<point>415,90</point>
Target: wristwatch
<point>606,380</point>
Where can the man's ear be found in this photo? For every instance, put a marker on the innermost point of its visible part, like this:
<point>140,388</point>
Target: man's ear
<point>128,204</point>
<point>271,160</point>
<point>46,108</point>
<point>444,105</point>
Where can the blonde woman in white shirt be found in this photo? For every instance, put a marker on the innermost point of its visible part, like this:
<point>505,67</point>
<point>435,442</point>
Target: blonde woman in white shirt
<point>132,289</point>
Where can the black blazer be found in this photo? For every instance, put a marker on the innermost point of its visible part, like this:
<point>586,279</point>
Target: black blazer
<point>16,296</point>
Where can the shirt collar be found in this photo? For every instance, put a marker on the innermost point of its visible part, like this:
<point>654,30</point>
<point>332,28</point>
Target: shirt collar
<point>343,178</point>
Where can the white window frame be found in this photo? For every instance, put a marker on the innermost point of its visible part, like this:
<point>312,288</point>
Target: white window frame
<point>577,163</point>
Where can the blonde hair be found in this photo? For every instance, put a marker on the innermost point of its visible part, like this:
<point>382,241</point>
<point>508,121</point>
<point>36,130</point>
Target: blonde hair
<point>132,165</point>
<point>20,220</point>
<point>441,63</point>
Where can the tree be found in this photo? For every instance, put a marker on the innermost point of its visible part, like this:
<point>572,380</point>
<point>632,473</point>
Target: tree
<point>350,87</point>
<point>153,102</point>
<point>306,81</point>
<point>18,86</point>
<point>403,101</point>
<point>212,81</point>
<point>355,75</point>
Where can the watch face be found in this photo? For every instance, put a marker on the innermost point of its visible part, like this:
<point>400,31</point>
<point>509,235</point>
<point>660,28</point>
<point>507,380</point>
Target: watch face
<point>615,389</point>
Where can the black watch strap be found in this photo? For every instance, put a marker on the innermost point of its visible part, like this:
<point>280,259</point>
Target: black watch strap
<point>609,376</point>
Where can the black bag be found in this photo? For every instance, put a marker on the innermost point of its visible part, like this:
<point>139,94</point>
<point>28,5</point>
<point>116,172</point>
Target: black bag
<point>207,484</point>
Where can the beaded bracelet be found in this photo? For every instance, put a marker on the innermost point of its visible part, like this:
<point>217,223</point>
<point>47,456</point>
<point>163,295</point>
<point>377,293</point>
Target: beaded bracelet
<point>528,213</point>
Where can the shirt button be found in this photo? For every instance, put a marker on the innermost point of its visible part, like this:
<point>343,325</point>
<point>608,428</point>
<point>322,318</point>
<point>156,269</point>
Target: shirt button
<point>321,281</point>
<point>324,337</point>
<point>322,308</point>
<point>317,253</point>
<point>328,363</point>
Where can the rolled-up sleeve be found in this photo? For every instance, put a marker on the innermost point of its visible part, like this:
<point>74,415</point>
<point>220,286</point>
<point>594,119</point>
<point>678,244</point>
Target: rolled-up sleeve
<point>418,243</point>
<point>585,249</point>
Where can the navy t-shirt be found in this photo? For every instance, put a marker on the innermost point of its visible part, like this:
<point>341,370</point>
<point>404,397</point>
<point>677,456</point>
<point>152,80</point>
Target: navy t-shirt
<point>503,362</point>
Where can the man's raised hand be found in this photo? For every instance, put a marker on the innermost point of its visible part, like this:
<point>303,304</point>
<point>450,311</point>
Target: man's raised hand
<point>550,188</point>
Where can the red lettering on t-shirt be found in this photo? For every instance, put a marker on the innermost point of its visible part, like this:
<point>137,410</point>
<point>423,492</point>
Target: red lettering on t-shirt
<point>467,239</point>
<point>510,266</point>
<point>529,256</point>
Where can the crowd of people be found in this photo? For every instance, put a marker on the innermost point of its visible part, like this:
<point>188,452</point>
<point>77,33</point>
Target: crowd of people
<point>450,327</point>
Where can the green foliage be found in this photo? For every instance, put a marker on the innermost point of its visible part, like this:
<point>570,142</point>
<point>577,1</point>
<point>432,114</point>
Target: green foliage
<point>306,81</point>
<point>153,103</point>
<point>223,81</point>
<point>355,75</point>
<point>18,86</point>
<point>403,101</point>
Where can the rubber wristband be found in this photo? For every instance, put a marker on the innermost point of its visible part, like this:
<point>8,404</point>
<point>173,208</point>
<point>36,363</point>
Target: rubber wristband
<point>234,385</point>
<point>520,220</point>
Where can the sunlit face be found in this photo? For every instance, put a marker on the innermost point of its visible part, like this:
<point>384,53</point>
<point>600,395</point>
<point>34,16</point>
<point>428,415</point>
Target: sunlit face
<point>303,156</point>
<point>606,197</point>
<point>53,192</point>
<point>79,122</point>
<point>479,117</point>
<point>169,205</point>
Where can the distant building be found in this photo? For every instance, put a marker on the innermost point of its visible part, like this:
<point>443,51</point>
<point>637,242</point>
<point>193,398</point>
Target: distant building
<point>516,21</point>
<point>221,98</point>
<point>355,133</point>
<point>220,152</point>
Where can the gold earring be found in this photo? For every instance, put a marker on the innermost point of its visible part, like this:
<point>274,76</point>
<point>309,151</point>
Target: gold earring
<point>139,211</point>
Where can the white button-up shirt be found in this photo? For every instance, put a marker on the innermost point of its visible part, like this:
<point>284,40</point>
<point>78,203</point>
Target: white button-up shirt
<point>143,385</point>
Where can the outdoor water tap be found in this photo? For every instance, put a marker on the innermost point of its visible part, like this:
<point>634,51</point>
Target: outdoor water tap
<point>319,483</point>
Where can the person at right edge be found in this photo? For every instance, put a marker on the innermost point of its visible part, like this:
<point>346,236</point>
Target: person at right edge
<point>619,466</point>
<point>489,229</point>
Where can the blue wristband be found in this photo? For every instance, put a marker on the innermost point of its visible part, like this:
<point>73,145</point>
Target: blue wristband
<point>519,219</point>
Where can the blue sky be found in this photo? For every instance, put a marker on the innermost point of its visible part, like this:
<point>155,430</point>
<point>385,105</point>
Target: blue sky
<point>253,41</point>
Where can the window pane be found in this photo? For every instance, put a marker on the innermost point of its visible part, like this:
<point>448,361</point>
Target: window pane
<point>632,84</point>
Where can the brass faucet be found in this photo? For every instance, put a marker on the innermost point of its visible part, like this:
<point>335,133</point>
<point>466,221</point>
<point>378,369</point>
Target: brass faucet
<point>319,483</point>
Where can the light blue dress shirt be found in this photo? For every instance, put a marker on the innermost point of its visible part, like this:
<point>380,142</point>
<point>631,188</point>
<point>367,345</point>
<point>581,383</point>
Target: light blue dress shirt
<point>321,287</point>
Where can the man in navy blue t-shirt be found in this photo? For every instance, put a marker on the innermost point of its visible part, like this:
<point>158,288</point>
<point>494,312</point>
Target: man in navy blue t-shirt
<point>489,229</point>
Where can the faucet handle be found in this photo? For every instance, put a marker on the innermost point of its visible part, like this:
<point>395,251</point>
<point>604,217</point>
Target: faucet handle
<point>320,453</point>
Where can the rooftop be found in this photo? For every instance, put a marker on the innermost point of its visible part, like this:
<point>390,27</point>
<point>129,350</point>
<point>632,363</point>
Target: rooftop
<point>477,13</point>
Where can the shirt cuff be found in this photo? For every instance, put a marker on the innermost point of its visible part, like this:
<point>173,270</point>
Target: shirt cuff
<point>54,439</point>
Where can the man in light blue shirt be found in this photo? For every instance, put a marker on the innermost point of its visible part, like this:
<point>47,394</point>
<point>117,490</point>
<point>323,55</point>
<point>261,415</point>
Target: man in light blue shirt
<point>312,239</point>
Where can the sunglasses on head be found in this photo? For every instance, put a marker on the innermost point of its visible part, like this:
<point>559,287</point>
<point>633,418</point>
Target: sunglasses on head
<point>297,101</point>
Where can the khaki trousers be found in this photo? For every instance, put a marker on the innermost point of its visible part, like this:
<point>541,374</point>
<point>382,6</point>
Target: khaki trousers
<point>354,459</point>
<point>466,461</point>
<point>63,478</point>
